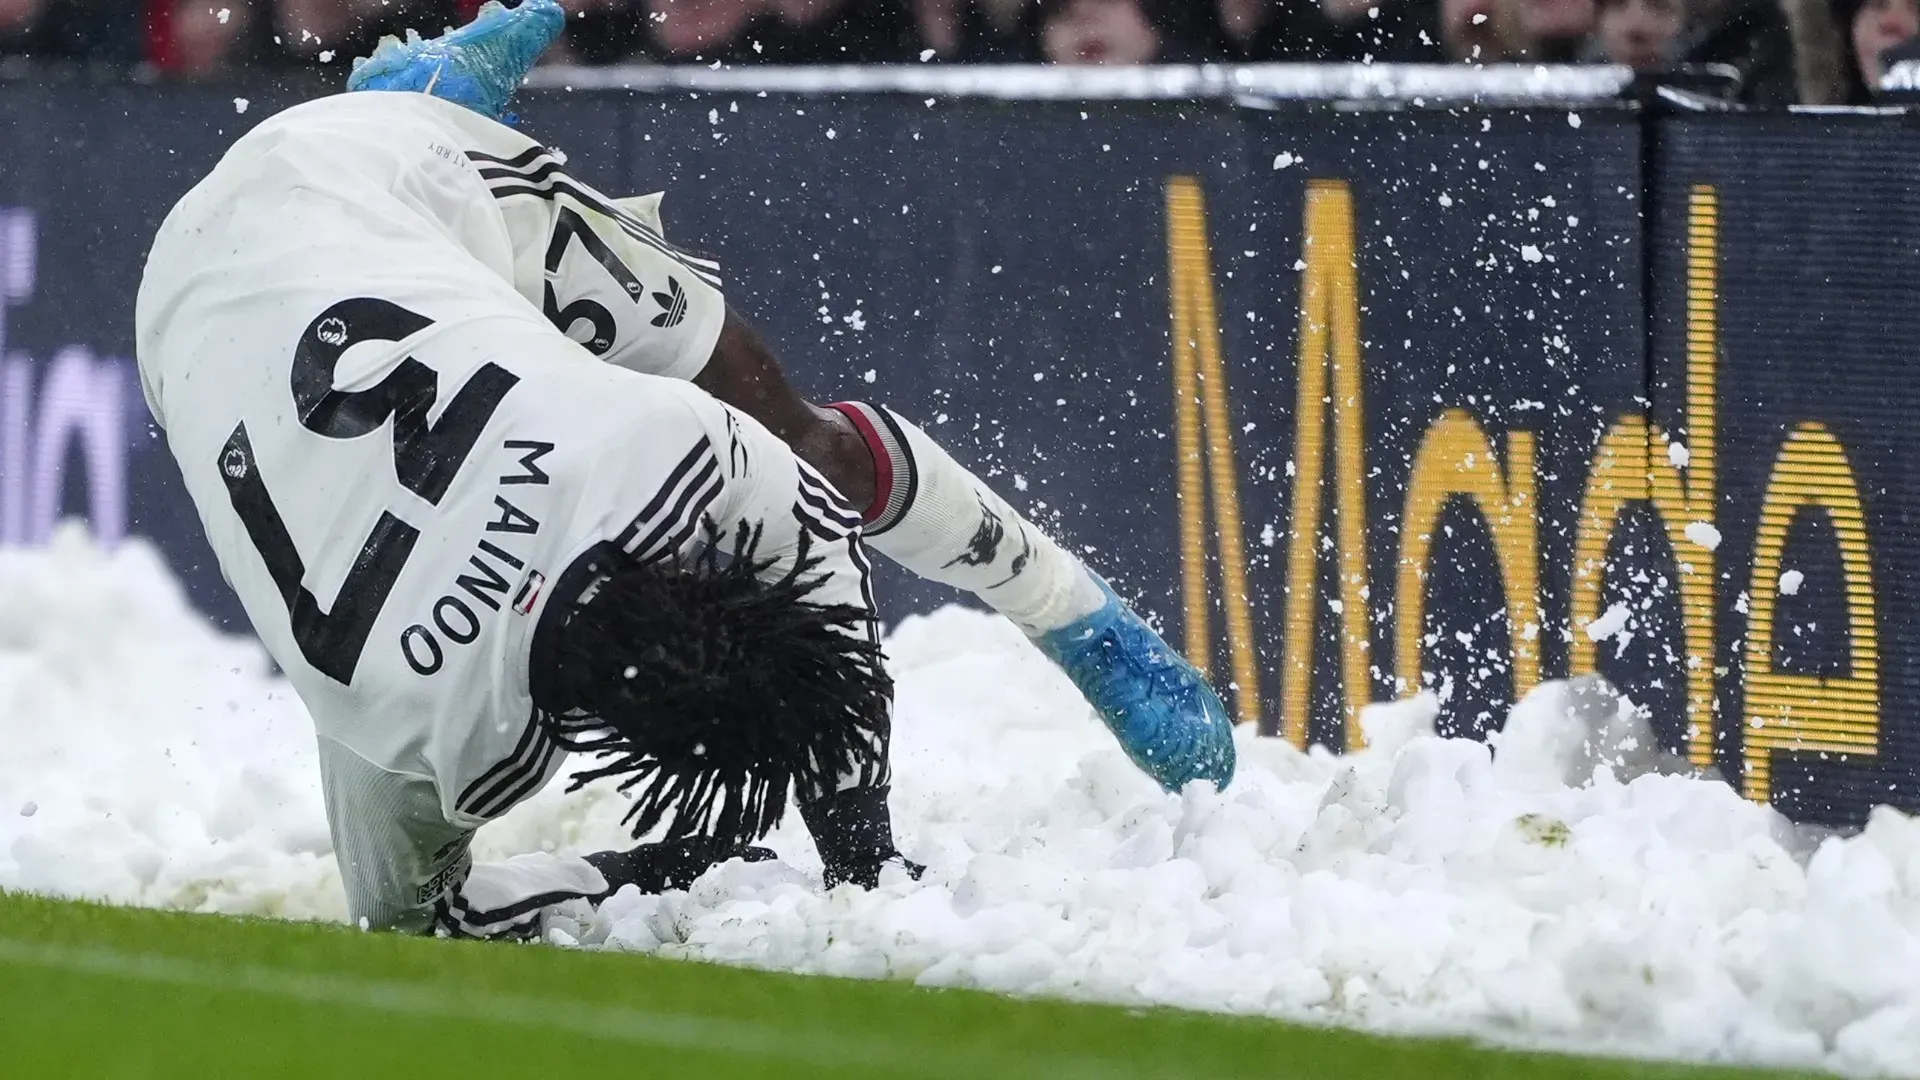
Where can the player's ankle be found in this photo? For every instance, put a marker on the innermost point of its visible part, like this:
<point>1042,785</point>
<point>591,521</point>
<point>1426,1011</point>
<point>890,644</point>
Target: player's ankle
<point>1072,593</point>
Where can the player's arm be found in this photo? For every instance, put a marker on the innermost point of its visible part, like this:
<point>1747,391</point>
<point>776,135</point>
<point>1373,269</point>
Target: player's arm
<point>744,373</point>
<point>802,516</point>
<point>406,868</point>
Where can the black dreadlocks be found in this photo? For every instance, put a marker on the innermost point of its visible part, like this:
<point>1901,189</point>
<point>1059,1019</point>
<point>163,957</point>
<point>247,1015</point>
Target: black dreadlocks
<point>713,690</point>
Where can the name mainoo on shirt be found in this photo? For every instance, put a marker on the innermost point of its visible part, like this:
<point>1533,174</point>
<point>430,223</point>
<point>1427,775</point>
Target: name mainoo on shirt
<point>490,572</point>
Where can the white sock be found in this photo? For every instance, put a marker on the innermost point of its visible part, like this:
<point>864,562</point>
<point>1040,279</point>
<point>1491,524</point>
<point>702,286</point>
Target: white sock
<point>940,521</point>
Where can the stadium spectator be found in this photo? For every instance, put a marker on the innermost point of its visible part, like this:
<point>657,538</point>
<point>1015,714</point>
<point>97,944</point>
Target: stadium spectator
<point>688,30</point>
<point>202,40</point>
<point>1452,32</point>
<point>1283,31</point>
<point>329,33</point>
<point>1479,31</point>
<point>777,31</point>
<point>1469,31</point>
<point>1125,32</point>
<point>1372,31</point>
<point>838,31</point>
<point>683,31</point>
<point>197,41</point>
<point>976,31</point>
<point>84,31</point>
<point>1750,36</point>
<point>1641,34</point>
<point>1870,28</point>
<point>209,39</point>
<point>19,22</point>
<point>1484,31</point>
<point>598,32</point>
<point>1554,31</point>
<point>1250,25</point>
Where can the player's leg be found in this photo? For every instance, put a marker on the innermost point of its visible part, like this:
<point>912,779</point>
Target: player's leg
<point>926,511</point>
<point>921,508</point>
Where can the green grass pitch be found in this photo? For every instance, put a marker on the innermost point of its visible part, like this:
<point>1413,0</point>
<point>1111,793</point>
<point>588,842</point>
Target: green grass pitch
<point>91,991</point>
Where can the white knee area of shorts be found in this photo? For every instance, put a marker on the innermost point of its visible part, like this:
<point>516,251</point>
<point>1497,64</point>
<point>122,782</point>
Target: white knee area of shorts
<point>937,539</point>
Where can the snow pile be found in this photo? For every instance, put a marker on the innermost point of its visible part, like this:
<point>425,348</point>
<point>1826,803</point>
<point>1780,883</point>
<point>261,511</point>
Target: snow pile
<point>1575,891</point>
<point>165,766</point>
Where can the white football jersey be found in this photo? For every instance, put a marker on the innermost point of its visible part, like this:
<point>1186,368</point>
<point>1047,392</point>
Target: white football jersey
<point>352,333</point>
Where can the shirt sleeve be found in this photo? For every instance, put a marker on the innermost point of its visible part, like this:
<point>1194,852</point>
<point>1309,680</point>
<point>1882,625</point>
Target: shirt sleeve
<point>602,270</point>
<point>405,867</point>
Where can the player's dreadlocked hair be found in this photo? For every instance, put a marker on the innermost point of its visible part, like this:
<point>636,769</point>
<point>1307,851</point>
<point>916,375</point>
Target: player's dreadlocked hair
<point>713,690</point>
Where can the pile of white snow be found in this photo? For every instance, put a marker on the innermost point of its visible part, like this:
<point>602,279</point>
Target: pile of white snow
<point>1570,892</point>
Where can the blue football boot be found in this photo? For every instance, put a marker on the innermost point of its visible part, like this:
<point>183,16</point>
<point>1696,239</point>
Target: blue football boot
<point>1169,721</point>
<point>479,65</point>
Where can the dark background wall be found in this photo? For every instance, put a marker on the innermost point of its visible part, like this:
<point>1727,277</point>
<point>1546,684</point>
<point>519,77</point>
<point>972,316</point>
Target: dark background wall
<point>1000,271</point>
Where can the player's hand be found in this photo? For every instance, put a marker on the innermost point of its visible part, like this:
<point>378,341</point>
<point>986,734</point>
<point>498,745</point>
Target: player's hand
<point>675,864</point>
<point>854,832</point>
<point>867,875</point>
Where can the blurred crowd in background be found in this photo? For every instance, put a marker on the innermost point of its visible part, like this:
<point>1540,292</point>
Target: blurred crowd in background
<point>1785,51</point>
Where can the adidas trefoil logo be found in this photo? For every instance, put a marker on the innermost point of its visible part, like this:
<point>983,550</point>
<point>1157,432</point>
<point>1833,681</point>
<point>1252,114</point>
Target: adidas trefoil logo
<point>673,304</point>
